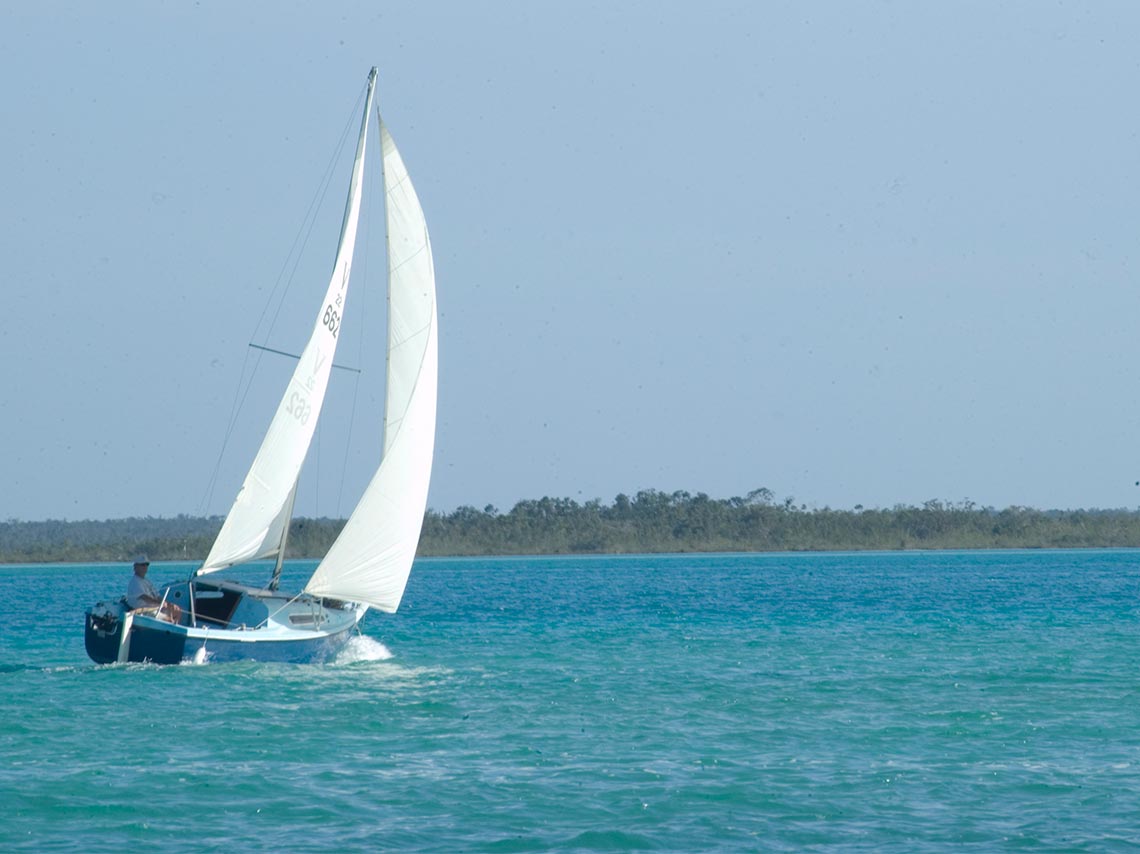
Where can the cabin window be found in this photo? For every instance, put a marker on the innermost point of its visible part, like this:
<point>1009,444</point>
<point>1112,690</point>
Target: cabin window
<point>305,619</point>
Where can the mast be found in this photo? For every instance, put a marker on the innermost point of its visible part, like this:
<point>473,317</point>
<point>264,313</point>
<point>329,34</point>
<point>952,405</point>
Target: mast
<point>275,580</point>
<point>388,289</point>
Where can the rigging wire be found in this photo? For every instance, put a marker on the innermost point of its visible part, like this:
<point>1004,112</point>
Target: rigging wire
<point>286,274</point>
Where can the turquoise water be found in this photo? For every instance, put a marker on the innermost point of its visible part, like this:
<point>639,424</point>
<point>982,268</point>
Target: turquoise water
<point>821,702</point>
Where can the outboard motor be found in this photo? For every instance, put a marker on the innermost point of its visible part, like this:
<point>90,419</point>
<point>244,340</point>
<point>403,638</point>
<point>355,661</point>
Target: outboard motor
<point>104,632</point>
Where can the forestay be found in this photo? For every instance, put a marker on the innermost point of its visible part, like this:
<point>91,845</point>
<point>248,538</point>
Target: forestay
<point>257,522</point>
<point>370,561</point>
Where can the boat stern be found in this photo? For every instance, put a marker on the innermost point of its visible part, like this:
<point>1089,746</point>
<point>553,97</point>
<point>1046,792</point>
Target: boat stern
<point>103,632</point>
<point>147,638</point>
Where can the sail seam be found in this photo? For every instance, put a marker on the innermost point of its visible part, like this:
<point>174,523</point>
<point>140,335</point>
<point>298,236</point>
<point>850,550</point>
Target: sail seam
<point>420,251</point>
<point>411,336</point>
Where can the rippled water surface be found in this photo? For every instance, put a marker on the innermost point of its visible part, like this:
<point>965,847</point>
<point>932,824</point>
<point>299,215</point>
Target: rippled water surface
<point>819,702</point>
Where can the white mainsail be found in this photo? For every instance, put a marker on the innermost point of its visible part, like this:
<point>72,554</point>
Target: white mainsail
<point>257,522</point>
<point>370,560</point>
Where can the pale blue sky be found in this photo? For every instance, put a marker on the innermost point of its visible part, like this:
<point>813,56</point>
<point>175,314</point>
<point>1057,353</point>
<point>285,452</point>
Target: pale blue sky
<point>856,253</point>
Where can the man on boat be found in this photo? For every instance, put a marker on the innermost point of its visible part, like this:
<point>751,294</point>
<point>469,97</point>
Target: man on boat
<point>141,593</point>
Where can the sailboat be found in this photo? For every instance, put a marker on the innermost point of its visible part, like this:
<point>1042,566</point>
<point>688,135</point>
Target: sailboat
<point>369,563</point>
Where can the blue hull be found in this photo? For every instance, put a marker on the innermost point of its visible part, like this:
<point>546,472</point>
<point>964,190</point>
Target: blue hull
<point>259,626</point>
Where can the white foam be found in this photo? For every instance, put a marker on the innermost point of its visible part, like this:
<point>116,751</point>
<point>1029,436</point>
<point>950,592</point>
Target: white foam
<point>363,648</point>
<point>201,656</point>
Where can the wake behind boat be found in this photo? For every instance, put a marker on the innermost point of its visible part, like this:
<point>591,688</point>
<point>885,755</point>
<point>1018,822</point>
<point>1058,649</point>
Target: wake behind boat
<point>368,564</point>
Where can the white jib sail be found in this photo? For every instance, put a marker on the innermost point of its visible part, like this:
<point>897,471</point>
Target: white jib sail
<point>370,560</point>
<point>256,523</point>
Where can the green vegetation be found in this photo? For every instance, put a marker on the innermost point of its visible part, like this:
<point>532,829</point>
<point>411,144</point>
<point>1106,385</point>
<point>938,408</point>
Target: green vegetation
<point>650,521</point>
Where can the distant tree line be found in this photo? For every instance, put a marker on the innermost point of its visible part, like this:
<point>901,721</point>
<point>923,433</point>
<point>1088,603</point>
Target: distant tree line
<point>650,521</point>
<point>655,521</point>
